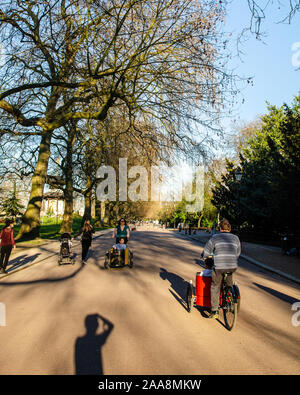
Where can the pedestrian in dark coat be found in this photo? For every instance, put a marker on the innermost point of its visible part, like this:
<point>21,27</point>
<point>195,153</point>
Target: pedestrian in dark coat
<point>86,239</point>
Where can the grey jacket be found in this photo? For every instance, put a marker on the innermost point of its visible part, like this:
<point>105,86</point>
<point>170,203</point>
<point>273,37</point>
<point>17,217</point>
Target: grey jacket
<point>226,248</point>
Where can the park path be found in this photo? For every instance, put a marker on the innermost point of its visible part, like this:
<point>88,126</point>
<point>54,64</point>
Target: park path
<point>25,256</point>
<point>84,319</point>
<point>265,256</point>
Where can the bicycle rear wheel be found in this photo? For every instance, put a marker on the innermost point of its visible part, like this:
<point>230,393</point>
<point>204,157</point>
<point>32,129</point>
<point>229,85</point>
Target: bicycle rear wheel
<point>229,310</point>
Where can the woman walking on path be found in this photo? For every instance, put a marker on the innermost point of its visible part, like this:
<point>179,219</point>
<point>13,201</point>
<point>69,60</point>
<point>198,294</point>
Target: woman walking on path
<point>86,238</point>
<point>121,231</point>
<point>7,244</point>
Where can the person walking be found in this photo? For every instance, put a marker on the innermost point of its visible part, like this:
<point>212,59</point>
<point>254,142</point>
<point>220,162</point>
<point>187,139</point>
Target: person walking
<point>225,248</point>
<point>86,239</point>
<point>7,244</point>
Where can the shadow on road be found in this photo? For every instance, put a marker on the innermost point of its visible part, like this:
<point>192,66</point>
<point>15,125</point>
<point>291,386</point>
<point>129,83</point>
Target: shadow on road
<point>178,284</point>
<point>21,261</point>
<point>88,357</point>
<point>199,262</point>
<point>279,295</point>
<point>179,300</point>
<point>46,280</point>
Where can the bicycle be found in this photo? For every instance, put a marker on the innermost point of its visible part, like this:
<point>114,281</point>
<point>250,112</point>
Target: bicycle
<point>230,298</point>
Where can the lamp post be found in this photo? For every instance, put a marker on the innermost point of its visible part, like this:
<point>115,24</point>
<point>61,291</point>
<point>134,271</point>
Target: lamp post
<point>238,177</point>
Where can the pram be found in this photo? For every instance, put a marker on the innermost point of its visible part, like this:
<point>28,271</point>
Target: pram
<point>65,254</point>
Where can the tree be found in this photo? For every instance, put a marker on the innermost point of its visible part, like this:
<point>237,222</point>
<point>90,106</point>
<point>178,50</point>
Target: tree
<point>63,145</point>
<point>270,164</point>
<point>258,9</point>
<point>40,56</point>
<point>162,60</point>
<point>76,160</point>
<point>12,206</point>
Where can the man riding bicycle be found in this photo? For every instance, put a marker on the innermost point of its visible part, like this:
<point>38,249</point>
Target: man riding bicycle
<point>225,248</point>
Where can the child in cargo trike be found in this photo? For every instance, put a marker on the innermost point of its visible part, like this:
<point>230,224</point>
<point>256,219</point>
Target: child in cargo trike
<point>200,295</point>
<point>119,255</point>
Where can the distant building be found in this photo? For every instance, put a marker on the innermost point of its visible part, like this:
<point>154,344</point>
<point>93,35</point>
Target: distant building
<point>78,204</point>
<point>53,203</point>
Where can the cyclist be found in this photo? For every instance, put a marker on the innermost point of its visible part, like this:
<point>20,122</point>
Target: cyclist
<point>122,230</point>
<point>226,248</point>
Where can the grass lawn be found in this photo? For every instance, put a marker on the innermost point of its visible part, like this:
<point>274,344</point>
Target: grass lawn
<point>50,228</point>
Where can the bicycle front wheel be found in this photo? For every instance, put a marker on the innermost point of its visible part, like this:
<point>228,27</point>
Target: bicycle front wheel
<point>229,310</point>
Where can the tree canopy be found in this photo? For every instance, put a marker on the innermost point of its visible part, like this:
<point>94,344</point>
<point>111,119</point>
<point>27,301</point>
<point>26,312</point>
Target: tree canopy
<point>267,197</point>
<point>161,61</point>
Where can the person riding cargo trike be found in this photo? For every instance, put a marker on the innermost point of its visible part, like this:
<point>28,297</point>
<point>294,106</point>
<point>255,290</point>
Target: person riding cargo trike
<point>200,297</point>
<point>119,255</point>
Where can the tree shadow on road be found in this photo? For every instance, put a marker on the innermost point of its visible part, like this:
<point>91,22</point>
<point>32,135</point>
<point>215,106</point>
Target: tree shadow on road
<point>88,357</point>
<point>279,295</point>
<point>45,280</point>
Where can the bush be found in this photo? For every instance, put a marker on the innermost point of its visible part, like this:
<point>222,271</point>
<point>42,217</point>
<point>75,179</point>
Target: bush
<point>76,216</point>
<point>206,223</point>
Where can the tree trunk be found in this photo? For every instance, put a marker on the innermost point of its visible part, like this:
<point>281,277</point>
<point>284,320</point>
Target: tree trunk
<point>30,227</point>
<point>98,216</point>
<point>87,207</point>
<point>199,220</point>
<point>87,201</point>
<point>67,222</point>
<point>110,213</point>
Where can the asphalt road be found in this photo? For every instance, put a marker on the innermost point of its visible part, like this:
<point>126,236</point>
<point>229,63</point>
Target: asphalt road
<point>85,319</point>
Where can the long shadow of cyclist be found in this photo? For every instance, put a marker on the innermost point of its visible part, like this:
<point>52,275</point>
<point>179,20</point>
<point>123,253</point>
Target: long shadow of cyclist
<point>177,283</point>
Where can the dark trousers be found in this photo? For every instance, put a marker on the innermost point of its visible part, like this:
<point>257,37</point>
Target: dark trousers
<point>85,248</point>
<point>4,256</point>
<point>216,280</point>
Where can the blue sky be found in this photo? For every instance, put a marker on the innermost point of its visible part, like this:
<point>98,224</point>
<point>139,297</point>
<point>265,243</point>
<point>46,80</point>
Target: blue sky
<point>269,62</point>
